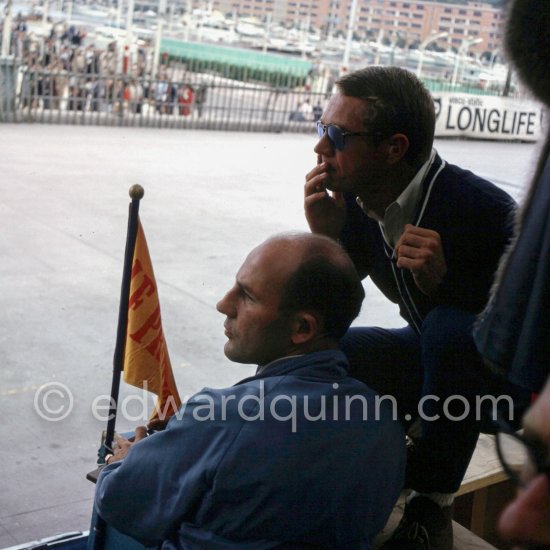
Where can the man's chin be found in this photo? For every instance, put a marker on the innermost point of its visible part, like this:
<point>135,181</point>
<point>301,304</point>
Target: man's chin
<point>234,355</point>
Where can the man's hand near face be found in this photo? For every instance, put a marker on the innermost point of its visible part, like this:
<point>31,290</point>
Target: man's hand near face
<point>420,251</point>
<point>325,212</point>
<point>124,444</point>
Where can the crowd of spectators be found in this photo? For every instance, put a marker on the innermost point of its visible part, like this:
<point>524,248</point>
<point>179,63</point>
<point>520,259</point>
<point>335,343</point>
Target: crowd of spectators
<point>66,70</point>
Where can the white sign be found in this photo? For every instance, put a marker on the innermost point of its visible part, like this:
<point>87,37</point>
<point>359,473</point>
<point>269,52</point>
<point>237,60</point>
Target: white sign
<point>487,117</point>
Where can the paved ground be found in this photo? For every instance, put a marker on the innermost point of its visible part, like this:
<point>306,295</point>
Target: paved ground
<point>209,198</point>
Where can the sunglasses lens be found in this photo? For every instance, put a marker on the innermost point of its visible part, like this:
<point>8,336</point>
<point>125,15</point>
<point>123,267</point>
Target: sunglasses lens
<point>334,135</point>
<point>336,138</point>
<point>320,130</point>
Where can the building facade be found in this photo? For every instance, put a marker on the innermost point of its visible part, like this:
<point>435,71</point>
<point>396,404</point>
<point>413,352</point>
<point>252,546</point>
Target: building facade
<point>404,21</point>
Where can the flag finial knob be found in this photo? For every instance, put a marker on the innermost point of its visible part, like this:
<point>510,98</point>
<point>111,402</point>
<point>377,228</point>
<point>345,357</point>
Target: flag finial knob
<point>136,192</point>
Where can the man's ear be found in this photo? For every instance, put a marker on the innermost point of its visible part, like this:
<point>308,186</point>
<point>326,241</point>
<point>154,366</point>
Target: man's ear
<point>305,326</point>
<point>398,145</point>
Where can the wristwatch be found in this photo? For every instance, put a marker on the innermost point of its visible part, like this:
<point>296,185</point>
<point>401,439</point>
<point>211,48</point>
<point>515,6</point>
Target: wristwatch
<point>108,457</point>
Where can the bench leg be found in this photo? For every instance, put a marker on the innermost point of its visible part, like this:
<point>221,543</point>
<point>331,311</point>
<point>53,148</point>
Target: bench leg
<point>479,510</point>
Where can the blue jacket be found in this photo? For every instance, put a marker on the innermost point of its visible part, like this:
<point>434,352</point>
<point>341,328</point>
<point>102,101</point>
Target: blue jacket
<point>225,475</point>
<point>475,221</point>
<point>514,330</point>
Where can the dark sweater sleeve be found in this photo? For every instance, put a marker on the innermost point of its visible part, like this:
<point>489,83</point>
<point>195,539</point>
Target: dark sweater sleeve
<point>478,229</point>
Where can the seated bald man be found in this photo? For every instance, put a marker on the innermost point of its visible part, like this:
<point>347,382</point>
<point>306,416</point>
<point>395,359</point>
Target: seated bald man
<point>297,456</point>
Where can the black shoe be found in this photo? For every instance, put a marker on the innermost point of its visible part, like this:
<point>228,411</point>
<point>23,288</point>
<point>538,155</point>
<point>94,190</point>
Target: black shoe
<point>424,526</point>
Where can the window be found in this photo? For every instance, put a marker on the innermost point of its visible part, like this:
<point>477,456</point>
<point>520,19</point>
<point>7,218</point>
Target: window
<point>446,19</point>
<point>416,26</point>
<point>448,10</point>
<point>477,14</point>
<point>419,6</point>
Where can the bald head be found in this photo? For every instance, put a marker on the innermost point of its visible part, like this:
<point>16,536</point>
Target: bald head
<point>307,245</point>
<point>322,280</point>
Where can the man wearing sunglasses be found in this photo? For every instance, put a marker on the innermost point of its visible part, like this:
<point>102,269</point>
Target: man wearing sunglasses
<point>429,234</point>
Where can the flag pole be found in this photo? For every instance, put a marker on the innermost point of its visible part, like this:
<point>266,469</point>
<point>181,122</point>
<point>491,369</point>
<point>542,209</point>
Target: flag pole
<point>136,194</point>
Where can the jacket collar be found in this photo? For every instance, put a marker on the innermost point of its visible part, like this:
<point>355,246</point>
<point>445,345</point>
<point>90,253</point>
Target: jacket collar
<point>328,364</point>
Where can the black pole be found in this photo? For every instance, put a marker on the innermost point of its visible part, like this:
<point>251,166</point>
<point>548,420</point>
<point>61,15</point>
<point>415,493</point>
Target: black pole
<point>136,194</point>
<point>508,83</point>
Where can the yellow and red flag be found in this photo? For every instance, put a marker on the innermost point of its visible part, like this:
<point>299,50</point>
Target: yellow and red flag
<point>146,360</point>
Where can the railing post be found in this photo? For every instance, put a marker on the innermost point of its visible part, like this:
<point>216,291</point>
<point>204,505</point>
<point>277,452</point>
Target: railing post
<point>8,83</point>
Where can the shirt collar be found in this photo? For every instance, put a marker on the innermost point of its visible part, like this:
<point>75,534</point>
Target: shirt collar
<point>402,211</point>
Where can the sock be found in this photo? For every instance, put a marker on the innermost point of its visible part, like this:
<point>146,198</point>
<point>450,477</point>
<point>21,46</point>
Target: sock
<point>441,499</point>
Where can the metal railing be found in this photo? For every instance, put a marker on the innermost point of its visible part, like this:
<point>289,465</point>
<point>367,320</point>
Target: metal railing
<point>194,101</point>
<point>181,98</point>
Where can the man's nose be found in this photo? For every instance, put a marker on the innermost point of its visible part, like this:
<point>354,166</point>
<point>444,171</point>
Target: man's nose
<point>324,147</point>
<point>220,305</point>
<point>224,305</point>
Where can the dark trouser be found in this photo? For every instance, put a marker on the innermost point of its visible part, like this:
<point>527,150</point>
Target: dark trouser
<point>436,374</point>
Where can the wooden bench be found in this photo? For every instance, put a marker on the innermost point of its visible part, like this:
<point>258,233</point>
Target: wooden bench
<point>484,492</point>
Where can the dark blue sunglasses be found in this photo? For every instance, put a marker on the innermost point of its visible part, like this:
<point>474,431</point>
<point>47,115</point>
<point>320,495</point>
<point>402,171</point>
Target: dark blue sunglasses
<point>337,137</point>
